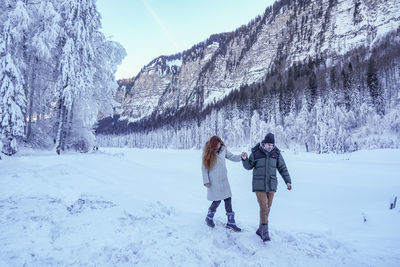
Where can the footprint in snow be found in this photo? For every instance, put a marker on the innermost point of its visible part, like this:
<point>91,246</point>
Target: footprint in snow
<point>82,205</point>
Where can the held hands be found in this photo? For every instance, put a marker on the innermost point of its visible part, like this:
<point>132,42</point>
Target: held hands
<point>289,186</point>
<point>244,155</point>
<point>207,185</point>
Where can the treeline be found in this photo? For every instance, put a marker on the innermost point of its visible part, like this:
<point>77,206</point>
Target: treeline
<point>343,107</point>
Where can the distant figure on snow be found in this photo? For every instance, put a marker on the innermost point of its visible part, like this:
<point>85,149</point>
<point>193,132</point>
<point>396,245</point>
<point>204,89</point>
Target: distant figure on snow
<point>264,159</point>
<point>215,178</point>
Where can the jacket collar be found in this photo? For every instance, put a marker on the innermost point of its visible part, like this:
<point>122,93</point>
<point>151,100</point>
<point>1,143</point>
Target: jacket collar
<point>262,148</point>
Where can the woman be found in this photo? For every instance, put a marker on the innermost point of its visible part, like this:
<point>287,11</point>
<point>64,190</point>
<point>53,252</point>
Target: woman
<point>216,180</point>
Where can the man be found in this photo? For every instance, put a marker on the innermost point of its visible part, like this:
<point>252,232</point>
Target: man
<point>264,159</point>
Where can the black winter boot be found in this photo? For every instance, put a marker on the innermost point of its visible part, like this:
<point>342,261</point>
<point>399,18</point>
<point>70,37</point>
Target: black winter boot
<point>231,224</point>
<point>258,232</point>
<point>263,233</point>
<point>209,218</point>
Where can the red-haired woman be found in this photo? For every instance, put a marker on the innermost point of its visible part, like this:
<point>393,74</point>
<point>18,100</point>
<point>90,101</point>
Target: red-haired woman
<point>215,178</point>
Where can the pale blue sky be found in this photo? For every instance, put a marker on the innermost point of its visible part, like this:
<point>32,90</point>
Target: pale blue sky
<point>150,28</point>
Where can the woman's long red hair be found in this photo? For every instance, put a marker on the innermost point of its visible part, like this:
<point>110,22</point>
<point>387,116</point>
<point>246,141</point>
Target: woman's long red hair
<point>210,151</point>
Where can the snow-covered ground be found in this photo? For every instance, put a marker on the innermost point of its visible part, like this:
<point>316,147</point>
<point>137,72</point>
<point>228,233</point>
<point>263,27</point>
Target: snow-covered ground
<point>121,207</point>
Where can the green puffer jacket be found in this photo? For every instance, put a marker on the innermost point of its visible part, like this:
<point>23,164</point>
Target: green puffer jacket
<point>264,167</point>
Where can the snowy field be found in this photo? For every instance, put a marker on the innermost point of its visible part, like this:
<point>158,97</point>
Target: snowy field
<point>124,207</point>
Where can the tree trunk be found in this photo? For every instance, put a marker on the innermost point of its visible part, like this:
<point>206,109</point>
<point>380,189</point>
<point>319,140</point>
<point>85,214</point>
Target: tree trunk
<point>31,81</point>
<point>61,127</point>
<point>68,129</point>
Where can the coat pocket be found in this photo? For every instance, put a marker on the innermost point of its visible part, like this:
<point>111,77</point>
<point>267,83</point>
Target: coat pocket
<point>258,183</point>
<point>273,183</point>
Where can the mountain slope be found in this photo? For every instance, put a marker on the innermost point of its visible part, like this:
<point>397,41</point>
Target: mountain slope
<point>288,32</point>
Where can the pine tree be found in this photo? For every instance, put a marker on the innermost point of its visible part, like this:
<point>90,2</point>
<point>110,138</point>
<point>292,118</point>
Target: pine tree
<point>357,16</point>
<point>304,128</point>
<point>311,91</point>
<point>255,124</point>
<point>76,72</point>
<point>12,103</point>
<point>347,87</point>
<point>375,89</point>
<point>12,94</point>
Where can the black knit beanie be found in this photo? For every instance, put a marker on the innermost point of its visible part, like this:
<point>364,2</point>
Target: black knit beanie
<point>269,138</point>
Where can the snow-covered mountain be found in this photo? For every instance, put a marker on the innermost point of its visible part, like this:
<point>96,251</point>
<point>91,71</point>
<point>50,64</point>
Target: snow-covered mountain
<point>322,75</point>
<point>288,32</point>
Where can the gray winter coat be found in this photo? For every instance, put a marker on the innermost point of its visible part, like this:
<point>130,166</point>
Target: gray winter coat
<point>264,166</point>
<point>217,176</point>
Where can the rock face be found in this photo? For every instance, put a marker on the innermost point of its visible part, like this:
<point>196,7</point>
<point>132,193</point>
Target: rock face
<point>288,32</point>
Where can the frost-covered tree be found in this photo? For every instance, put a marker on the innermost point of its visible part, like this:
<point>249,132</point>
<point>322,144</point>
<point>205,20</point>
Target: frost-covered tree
<point>325,136</point>
<point>12,102</point>
<point>109,55</point>
<point>221,123</point>
<point>393,120</point>
<point>303,127</point>
<point>234,128</point>
<point>12,94</point>
<point>76,69</point>
<point>41,60</point>
<point>255,126</point>
<point>86,69</point>
<point>56,73</point>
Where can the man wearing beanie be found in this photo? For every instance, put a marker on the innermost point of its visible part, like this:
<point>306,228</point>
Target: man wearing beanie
<point>264,160</point>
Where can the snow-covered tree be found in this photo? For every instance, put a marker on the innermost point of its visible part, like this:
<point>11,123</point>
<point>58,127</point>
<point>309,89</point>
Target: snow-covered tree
<point>234,128</point>
<point>12,94</point>
<point>57,72</point>
<point>86,74</point>
<point>220,120</point>
<point>303,127</point>
<point>41,61</point>
<point>255,126</point>
<point>109,55</point>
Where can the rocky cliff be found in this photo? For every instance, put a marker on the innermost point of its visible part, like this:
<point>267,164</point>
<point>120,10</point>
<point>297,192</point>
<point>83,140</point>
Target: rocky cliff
<point>288,32</point>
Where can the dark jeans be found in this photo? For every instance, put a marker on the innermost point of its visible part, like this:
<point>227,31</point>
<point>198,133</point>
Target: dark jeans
<point>228,205</point>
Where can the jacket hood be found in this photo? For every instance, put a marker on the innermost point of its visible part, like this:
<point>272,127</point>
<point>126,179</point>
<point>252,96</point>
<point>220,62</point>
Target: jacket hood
<point>259,147</point>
